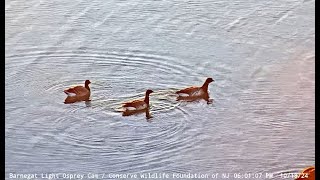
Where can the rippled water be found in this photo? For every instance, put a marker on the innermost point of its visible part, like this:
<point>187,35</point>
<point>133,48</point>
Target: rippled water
<point>260,53</point>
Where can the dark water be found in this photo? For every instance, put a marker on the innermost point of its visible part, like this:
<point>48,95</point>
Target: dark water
<point>260,53</point>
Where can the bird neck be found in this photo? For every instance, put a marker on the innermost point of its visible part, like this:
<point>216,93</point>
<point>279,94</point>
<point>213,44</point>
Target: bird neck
<point>87,86</point>
<point>205,86</point>
<point>146,99</point>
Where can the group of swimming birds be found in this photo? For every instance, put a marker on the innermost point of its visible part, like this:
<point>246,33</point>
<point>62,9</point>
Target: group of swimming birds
<point>82,93</point>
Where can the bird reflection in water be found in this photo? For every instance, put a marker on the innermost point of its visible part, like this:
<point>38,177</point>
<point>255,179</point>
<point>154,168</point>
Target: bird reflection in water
<point>195,98</point>
<point>136,112</point>
<point>88,103</point>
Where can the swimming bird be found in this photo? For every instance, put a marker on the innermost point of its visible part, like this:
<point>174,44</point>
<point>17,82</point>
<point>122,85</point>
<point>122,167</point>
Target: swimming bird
<point>196,92</point>
<point>136,105</point>
<point>78,93</point>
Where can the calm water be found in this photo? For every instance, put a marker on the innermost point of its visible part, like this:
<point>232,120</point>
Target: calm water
<point>260,53</point>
